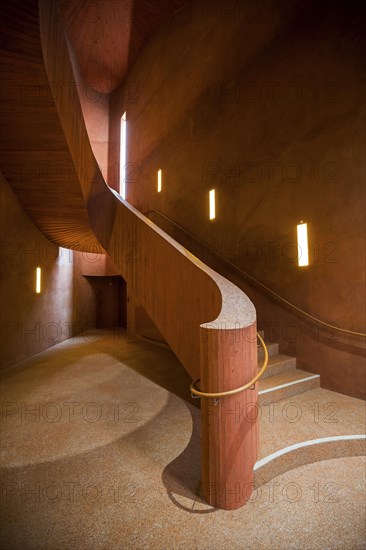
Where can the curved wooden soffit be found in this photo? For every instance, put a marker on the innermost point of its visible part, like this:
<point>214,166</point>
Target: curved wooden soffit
<point>33,156</point>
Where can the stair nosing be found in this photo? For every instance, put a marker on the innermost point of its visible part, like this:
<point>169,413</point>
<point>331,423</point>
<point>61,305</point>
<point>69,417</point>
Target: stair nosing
<point>291,383</point>
<point>279,358</point>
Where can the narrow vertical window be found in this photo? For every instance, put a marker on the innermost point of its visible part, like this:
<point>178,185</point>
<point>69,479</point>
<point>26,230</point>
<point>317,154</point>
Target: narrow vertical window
<point>212,203</point>
<point>122,158</point>
<point>302,244</point>
<point>38,280</point>
<point>159,181</point>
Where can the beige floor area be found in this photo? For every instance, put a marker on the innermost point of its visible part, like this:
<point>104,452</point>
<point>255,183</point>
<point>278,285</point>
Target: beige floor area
<point>100,450</point>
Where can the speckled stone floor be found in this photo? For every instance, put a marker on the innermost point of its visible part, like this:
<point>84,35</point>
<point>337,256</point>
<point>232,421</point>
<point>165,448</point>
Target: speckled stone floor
<point>100,450</point>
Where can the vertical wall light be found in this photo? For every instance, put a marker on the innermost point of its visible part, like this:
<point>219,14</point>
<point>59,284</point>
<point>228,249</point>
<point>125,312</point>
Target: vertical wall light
<point>212,203</point>
<point>38,280</point>
<point>122,157</point>
<point>302,244</point>
<point>159,181</point>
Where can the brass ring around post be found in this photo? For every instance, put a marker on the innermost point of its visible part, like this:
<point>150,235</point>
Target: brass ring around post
<point>199,393</point>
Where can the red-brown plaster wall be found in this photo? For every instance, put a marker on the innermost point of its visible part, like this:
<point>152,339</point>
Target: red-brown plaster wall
<point>265,105</point>
<point>32,322</point>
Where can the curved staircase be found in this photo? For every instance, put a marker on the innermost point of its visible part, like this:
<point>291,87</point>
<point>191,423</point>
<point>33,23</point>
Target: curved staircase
<point>208,322</point>
<point>47,158</point>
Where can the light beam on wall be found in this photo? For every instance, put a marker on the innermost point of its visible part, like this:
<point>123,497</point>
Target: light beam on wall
<point>302,244</point>
<point>159,181</point>
<point>122,157</point>
<point>212,202</point>
<point>38,280</point>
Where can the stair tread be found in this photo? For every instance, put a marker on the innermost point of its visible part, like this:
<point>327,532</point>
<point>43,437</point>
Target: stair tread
<point>277,364</point>
<point>294,375</point>
<point>271,347</point>
<point>279,358</point>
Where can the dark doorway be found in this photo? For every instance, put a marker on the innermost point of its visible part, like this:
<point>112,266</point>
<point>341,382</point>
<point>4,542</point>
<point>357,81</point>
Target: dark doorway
<point>110,301</point>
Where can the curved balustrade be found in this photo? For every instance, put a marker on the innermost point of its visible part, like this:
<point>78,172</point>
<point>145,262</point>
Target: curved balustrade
<point>209,323</point>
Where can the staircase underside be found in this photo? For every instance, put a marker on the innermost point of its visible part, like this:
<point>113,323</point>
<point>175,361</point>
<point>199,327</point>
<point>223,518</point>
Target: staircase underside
<point>33,156</point>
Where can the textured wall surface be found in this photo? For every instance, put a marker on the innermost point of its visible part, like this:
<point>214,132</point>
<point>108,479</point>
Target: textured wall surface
<point>263,102</point>
<point>32,322</point>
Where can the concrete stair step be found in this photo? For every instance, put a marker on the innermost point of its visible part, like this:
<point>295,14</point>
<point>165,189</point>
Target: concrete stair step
<point>278,364</point>
<point>272,348</point>
<point>287,384</point>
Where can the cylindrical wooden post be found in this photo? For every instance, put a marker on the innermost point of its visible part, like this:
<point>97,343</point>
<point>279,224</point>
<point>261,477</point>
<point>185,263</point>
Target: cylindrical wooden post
<point>230,424</point>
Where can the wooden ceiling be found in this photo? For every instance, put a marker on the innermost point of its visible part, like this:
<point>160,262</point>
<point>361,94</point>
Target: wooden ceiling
<point>107,35</point>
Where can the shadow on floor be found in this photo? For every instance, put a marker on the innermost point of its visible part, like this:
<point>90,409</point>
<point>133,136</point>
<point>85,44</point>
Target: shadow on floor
<point>182,477</point>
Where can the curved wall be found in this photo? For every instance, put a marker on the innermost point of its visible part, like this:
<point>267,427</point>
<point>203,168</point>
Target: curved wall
<point>66,306</point>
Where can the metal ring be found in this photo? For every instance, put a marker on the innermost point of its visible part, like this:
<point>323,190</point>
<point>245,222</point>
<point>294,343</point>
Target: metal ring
<point>199,393</point>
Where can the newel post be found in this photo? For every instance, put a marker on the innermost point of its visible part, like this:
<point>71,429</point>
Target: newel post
<point>229,428</point>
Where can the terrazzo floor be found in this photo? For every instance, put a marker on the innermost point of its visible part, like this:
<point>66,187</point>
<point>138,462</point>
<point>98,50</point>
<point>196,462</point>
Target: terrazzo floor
<point>100,450</point>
